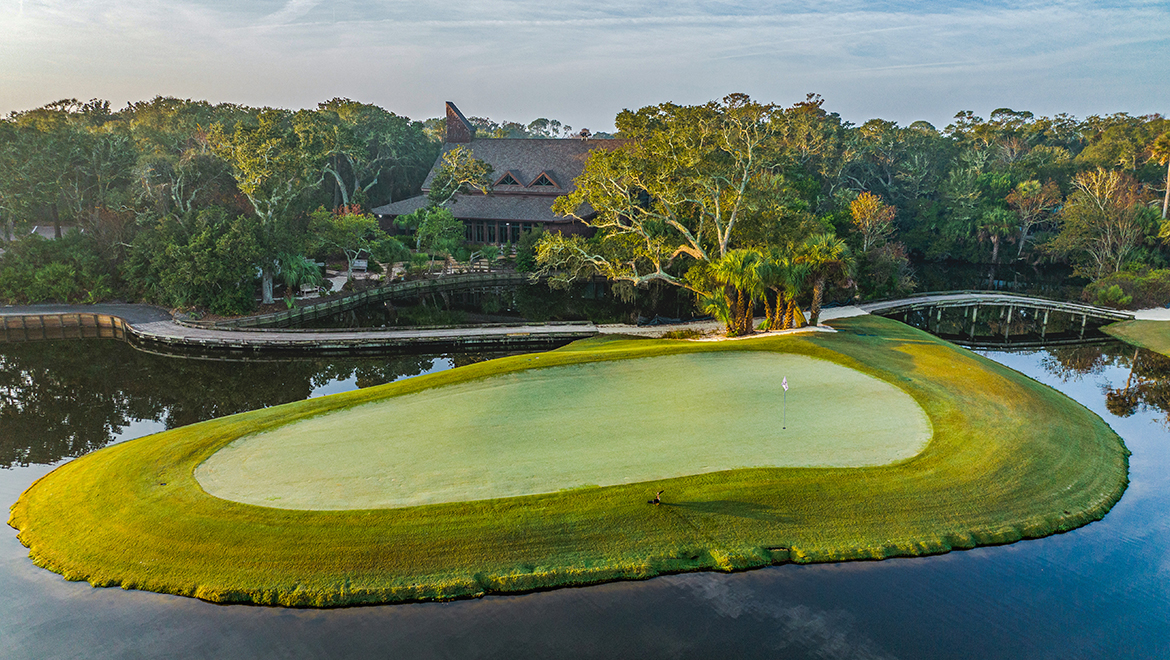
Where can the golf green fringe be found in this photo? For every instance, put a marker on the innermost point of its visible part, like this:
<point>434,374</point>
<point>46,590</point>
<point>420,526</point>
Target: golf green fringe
<point>132,515</point>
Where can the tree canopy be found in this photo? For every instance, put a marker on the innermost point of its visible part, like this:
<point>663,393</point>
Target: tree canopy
<point>687,198</point>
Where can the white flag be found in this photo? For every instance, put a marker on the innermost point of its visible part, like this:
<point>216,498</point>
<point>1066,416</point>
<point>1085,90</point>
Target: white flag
<point>784,383</point>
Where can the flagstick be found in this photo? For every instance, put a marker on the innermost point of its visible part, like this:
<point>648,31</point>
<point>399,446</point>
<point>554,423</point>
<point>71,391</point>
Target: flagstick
<point>784,418</point>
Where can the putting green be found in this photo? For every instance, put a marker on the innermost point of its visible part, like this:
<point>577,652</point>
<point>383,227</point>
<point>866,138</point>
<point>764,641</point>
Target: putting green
<point>601,424</point>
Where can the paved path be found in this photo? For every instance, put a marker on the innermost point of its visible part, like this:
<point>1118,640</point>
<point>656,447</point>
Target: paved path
<point>1155,314</point>
<point>167,332</point>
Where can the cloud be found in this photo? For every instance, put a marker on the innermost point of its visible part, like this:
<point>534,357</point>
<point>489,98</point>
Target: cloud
<point>798,628</point>
<point>292,10</point>
<point>582,62</point>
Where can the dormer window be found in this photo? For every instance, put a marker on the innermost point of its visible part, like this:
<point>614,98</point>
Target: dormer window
<point>543,180</point>
<point>507,180</point>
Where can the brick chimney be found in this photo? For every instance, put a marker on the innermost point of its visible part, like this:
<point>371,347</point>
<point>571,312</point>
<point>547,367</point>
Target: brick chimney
<point>459,130</point>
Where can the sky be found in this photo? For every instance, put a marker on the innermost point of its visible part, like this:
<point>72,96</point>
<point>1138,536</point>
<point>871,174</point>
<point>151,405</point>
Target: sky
<point>582,63</point>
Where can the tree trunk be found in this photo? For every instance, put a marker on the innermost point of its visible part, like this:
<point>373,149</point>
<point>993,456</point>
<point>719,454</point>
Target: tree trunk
<point>748,316</point>
<point>797,315</point>
<point>814,317</point>
<point>1166,199</point>
<point>994,250</point>
<point>730,302</point>
<point>266,286</point>
<point>56,220</point>
<point>739,314</point>
<point>769,311</point>
<point>787,315</point>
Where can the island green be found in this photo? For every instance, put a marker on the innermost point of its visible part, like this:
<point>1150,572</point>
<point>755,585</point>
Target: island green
<point>1009,458</point>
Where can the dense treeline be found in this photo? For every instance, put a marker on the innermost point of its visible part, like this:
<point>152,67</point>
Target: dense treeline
<point>182,202</point>
<point>751,206</point>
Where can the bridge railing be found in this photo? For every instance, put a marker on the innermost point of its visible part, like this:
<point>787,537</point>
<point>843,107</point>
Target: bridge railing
<point>296,315</point>
<point>975,297</point>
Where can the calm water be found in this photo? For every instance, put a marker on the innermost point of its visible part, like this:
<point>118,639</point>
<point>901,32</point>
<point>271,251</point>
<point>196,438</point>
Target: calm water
<point>1102,591</point>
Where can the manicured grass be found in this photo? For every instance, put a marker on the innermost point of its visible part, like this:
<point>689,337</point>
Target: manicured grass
<point>597,423</point>
<point>1009,459</point>
<point>1154,335</point>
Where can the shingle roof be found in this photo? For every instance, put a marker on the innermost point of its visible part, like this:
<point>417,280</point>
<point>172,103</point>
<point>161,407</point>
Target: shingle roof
<point>477,206</point>
<point>562,160</point>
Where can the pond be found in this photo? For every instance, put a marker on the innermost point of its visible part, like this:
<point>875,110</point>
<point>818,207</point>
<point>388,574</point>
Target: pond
<point>1099,591</point>
<point>596,301</point>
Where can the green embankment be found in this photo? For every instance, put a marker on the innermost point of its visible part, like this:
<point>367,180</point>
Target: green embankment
<point>1009,459</point>
<point>1154,335</point>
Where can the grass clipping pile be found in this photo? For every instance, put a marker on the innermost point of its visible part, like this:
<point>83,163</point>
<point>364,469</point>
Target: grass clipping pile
<point>1009,459</point>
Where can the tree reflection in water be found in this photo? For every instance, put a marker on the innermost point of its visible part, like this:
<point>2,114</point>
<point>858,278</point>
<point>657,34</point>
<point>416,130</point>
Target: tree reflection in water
<point>62,399</point>
<point>1146,388</point>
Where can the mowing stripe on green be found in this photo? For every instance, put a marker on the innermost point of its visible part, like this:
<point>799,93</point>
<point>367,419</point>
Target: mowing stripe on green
<point>598,424</point>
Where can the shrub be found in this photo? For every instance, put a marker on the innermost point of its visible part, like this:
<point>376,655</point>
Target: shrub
<point>206,259</point>
<point>69,269</point>
<point>526,250</point>
<point>690,333</point>
<point>1137,289</point>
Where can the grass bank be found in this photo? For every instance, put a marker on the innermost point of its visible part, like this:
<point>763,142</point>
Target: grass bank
<point>1009,459</point>
<point>1154,335</point>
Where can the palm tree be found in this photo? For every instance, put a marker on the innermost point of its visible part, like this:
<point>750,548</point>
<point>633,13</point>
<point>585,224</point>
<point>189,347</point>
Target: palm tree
<point>770,271</point>
<point>737,274</point>
<point>782,274</point>
<point>996,225</point>
<point>826,256</point>
<point>794,276</point>
<point>296,270</point>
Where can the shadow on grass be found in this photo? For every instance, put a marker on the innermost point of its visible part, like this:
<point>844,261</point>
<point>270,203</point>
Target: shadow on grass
<point>731,508</point>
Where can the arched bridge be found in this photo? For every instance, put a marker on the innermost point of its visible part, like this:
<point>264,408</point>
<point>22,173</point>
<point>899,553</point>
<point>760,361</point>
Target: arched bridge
<point>982,316</point>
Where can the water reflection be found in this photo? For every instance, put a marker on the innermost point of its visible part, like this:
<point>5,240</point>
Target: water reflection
<point>596,301</point>
<point>1100,591</point>
<point>1146,387</point>
<point>61,399</point>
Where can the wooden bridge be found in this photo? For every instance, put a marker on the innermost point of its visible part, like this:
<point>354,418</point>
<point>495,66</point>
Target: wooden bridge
<point>1038,312</point>
<point>148,328</point>
<point>173,338</point>
<point>392,291</point>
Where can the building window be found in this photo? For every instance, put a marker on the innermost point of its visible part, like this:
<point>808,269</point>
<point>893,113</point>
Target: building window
<point>543,180</point>
<point>491,232</point>
<point>507,180</point>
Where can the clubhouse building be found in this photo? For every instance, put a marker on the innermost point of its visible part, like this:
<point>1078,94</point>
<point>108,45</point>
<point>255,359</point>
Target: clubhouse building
<point>529,174</point>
